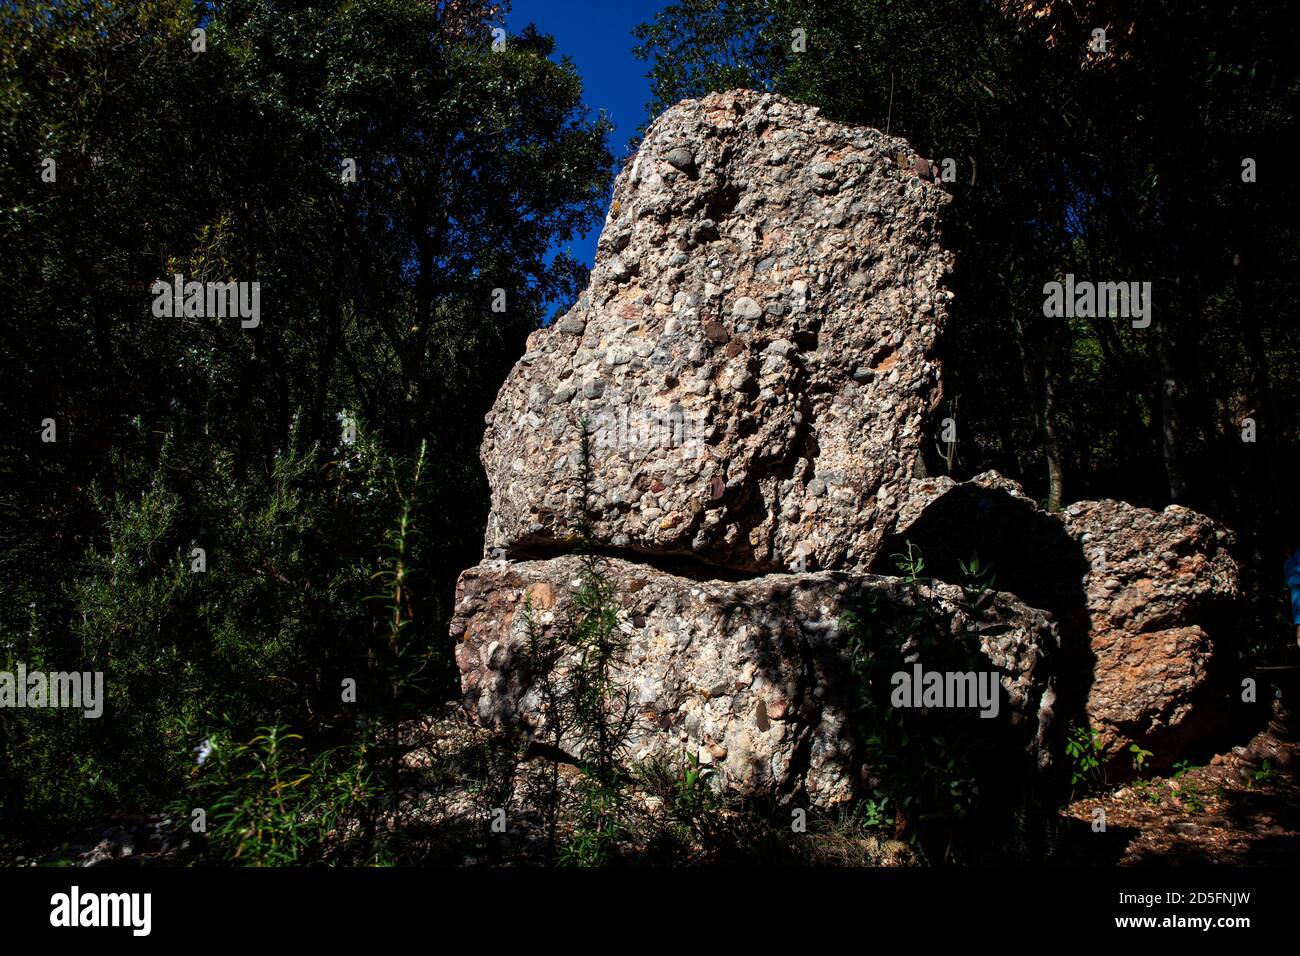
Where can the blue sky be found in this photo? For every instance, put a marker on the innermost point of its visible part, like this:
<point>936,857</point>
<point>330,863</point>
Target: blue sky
<point>597,35</point>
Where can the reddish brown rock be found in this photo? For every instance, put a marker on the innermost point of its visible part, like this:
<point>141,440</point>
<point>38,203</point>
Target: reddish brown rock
<point>1144,600</point>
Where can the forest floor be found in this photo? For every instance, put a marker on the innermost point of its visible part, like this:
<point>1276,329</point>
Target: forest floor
<point>1240,809</point>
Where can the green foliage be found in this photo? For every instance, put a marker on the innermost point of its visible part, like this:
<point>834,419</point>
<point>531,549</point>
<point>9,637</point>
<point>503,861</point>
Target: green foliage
<point>1140,757</point>
<point>271,803</point>
<point>910,563</point>
<point>1190,799</point>
<point>693,792</point>
<point>601,704</point>
<point>1262,776</point>
<point>1083,746</point>
<point>175,433</point>
<point>599,824</point>
<point>603,710</point>
<point>1189,795</point>
<point>593,711</point>
<point>574,668</point>
<point>473,167</point>
<point>977,583</point>
<point>925,768</point>
<point>699,46</point>
<point>681,820</point>
<point>875,813</point>
<point>1149,790</point>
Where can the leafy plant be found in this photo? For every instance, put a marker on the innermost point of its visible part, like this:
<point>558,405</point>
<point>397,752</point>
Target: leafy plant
<point>977,584</point>
<point>599,825</point>
<point>589,709</point>
<point>682,819</point>
<point>923,767</point>
<point>1263,775</point>
<point>600,705</point>
<point>177,434</point>
<point>269,803</point>
<point>876,813</point>
<point>694,795</point>
<point>1140,757</point>
<point>1149,790</point>
<point>397,663</point>
<point>910,563</point>
<point>1083,746</point>
<point>1191,799</point>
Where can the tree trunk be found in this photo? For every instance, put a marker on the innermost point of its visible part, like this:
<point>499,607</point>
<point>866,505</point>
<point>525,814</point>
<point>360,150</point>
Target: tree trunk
<point>1041,389</point>
<point>1051,444</point>
<point>1170,421</point>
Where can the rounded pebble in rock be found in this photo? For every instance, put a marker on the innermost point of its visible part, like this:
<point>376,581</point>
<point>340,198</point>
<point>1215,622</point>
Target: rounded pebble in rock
<point>681,158</point>
<point>746,308</point>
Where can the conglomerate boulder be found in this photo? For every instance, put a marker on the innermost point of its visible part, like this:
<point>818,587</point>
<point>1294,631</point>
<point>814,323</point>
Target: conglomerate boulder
<point>753,676</point>
<point>1144,599</point>
<point>753,358</point>
<point>728,420</point>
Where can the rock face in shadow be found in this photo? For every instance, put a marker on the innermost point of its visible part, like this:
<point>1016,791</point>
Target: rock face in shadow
<point>1143,599</point>
<point>752,677</point>
<point>1033,554</point>
<point>752,357</point>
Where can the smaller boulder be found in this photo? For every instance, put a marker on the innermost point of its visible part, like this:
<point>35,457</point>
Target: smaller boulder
<point>1144,600</point>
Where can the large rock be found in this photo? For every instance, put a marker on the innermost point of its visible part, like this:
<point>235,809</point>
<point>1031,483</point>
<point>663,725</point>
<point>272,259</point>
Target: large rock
<point>1143,599</point>
<point>751,676</point>
<point>752,357</point>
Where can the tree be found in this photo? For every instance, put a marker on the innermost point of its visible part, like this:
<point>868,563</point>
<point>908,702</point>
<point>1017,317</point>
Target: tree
<point>270,447</point>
